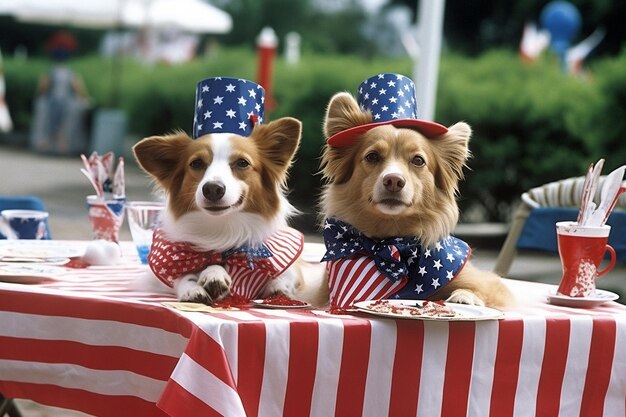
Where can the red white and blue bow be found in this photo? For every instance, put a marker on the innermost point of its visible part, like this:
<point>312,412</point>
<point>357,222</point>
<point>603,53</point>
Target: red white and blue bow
<point>392,256</point>
<point>427,269</point>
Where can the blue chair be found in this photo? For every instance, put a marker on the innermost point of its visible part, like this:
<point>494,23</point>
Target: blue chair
<point>23,202</point>
<point>534,221</point>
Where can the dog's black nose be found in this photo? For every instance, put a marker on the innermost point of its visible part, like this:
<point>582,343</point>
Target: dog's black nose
<point>213,190</point>
<point>393,182</point>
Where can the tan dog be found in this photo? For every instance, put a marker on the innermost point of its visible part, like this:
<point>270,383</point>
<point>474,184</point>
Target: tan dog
<point>387,182</point>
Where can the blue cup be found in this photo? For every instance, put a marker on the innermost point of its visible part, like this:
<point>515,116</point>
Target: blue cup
<point>24,224</point>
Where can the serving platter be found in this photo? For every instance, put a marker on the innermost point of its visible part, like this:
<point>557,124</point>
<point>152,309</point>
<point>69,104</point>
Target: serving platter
<point>420,310</point>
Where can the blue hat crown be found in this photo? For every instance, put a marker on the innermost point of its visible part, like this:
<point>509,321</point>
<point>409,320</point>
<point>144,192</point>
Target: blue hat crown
<point>228,105</point>
<point>388,97</point>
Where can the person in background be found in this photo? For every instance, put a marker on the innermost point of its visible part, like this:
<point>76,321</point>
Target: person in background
<point>61,104</point>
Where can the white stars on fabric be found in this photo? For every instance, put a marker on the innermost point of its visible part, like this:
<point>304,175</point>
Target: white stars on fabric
<point>232,105</point>
<point>388,97</point>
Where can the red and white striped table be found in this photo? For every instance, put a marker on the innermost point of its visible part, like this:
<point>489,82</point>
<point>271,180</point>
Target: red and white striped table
<point>93,343</point>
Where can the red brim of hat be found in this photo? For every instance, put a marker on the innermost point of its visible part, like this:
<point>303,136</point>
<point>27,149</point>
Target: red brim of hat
<point>426,128</point>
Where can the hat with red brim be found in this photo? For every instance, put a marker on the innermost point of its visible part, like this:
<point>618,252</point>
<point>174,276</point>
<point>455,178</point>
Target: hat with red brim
<point>391,100</point>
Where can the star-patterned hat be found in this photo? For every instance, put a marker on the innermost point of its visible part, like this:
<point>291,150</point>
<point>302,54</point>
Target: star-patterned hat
<point>228,105</point>
<point>391,100</point>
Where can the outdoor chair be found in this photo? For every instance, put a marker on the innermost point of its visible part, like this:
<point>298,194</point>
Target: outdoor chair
<point>23,202</point>
<point>533,226</point>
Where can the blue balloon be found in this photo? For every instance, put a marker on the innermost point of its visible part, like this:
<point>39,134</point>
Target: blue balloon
<point>562,19</point>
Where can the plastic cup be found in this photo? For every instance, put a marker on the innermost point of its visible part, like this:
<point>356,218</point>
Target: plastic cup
<point>106,216</point>
<point>143,219</point>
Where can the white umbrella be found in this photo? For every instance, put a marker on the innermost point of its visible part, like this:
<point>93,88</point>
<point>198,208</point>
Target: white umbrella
<point>88,14</point>
<point>187,15</point>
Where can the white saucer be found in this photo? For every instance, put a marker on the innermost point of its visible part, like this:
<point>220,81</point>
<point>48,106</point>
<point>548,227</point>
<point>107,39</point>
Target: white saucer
<point>599,298</point>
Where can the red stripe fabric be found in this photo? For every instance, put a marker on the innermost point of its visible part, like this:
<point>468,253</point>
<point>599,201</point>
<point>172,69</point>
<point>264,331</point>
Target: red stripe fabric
<point>81,400</point>
<point>407,366</point>
<point>353,369</point>
<point>553,367</point>
<point>357,279</point>
<point>92,341</point>
<point>92,357</point>
<point>506,368</point>
<point>75,305</point>
<point>210,354</point>
<point>250,365</point>
<point>458,369</point>
<point>302,366</point>
<point>599,368</point>
<point>177,401</point>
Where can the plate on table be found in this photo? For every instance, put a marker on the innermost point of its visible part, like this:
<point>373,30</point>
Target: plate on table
<point>427,310</point>
<point>38,251</point>
<point>599,298</point>
<point>28,273</point>
<point>280,303</point>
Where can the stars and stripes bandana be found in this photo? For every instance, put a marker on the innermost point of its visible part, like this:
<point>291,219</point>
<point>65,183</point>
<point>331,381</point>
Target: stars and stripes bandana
<point>361,268</point>
<point>249,267</point>
<point>228,105</point>
<point>390,255</point>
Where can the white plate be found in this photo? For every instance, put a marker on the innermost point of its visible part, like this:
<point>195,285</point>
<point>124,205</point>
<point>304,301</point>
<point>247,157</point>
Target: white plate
<point>260,303</point>
<point>466,312</point>
<point>599,298</point>
<point>28,273</point>
<point>39,249</point>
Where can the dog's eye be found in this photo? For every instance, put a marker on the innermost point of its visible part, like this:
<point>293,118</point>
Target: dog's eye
<point>197,164</point>
<point>242,163</point>
<point>372,157</point>
<point>418,161</point>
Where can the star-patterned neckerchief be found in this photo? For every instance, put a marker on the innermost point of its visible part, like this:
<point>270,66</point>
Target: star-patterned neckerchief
<point>427,269</point>
<point>169,258</point>
<point>391,255</point>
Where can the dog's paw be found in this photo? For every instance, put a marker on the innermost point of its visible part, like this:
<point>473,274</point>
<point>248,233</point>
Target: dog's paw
<point>188,290</point>
<point>195,294</point>
<point>462,296</point>
<point>215,281</point>
<point>286,284</point>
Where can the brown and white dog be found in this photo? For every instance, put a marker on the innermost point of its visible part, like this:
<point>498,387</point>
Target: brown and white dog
<point>224,191</point>
<point>389,182</point>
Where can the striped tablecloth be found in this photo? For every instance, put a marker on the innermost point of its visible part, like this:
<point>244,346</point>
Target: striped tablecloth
<point>93,342</point>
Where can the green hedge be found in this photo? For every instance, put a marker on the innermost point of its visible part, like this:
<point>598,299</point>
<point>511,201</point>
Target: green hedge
<point>532,124</point>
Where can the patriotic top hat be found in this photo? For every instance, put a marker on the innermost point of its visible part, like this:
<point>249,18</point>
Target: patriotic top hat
<point>391,100</point>
<point>228,105</point>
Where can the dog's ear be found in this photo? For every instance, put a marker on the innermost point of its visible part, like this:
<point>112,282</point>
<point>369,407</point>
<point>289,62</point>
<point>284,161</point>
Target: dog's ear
<point>159,156</point>
<point>338,163</point>
<point>453,151</point>
<point>342,113</point>
<point>278,142</point>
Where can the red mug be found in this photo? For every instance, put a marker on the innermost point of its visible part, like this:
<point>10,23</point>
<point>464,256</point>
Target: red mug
<point>581,249</point>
